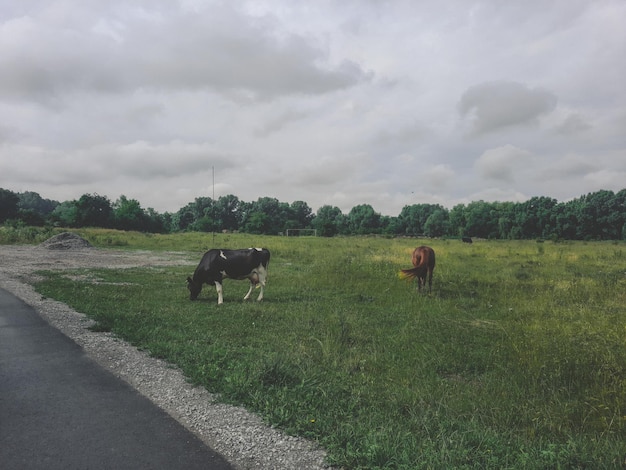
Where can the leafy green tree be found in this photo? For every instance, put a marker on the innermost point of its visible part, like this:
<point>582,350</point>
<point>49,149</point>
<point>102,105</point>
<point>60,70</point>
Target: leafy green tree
<point>33,209</point>
<point>158,223</point>
<point>31,217</point>
<point>8,205</point>
<point>458,222</point>
<point>284,220</point>
<point>535,217</point>
<point>329,221</point>
<point>506,221</point>
<point>437,223</point>
<point>227,212</point>
<point>265,216</point>
<point>93,210</point>
<point>182,219</point>
<point>257,223</point>
<point>188,217</point>
<point>620,219</point>
<point>481,219</point>
<point>413,218</point>
<point>390,225</point>
<point>600,217</point>
<point>206,223</point>
<point>205,215</point>
<point>128,215</point>
<point>30,200</point>
<point>363,220</point>
<point>65,214</point>
<point>300,215</point>
<point>566,220</point>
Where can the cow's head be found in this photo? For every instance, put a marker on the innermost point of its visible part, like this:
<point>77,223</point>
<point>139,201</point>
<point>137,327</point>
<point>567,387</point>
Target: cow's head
<point>194,288</point>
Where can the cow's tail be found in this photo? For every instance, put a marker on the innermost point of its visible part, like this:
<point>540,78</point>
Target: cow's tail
<point>408,274</point>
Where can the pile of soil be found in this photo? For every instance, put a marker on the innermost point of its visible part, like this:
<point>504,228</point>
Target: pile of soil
<point>66,241</point>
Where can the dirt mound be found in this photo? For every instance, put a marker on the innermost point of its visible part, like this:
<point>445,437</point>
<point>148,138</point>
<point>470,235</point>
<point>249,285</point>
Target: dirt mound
<point>66,241</point>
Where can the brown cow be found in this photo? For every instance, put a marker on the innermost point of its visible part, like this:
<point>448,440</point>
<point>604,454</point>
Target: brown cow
<point>424,264</point>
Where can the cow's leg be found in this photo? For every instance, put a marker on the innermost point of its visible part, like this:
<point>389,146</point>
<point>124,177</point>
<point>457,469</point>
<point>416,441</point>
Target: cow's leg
<point>249,291</point>
<point>430,281</point>
<point>262,273</point>
<point>220,296</point>
<point>260,297</point>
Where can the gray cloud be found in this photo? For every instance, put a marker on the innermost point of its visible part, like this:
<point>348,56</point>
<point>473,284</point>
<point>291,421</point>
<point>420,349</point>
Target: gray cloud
<point>502,163</point>
<point>337,103</point>
<point>494,105</point>
<point>572,125</point>
<point>183,51</point>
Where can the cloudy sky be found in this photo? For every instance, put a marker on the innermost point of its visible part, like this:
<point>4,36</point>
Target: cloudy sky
<point>387,103</point>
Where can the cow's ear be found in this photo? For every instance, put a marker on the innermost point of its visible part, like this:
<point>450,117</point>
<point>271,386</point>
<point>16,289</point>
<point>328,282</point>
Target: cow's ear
<point>189,281</point>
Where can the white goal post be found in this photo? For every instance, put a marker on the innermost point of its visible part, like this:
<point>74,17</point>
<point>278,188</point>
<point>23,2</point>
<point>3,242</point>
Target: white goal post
<point>301,232</point>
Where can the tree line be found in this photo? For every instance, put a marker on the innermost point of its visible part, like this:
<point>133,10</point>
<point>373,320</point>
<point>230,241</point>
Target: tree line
<point>595,216</point>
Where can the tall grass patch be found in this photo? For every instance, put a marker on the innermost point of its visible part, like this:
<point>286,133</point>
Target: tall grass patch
<point>516,360</point>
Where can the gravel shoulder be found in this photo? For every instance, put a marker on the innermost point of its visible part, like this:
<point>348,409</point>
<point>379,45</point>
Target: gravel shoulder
<point>241,437</point>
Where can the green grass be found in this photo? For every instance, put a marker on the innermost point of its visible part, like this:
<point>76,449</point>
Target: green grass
<point>516,360</point>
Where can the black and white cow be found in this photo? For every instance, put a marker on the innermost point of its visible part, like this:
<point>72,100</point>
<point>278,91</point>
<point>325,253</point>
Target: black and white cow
<point>217,265</point>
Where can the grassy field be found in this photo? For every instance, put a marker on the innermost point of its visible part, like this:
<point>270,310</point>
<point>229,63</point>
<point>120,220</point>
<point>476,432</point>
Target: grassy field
<point>516,360</point>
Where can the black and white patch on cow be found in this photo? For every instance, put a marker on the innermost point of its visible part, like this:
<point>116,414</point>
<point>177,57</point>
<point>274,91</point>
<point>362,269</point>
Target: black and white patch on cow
<point>219,264</point>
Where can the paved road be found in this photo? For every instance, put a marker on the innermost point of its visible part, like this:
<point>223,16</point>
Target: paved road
<point>61,410</point>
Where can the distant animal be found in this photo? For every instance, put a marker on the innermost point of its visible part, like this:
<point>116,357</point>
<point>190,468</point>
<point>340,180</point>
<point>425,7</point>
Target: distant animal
<point>424,263</point>
<point>466,240</point>
<point>218,264</point>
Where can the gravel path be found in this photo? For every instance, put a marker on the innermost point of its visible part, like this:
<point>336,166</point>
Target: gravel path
<point>241,437</point>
